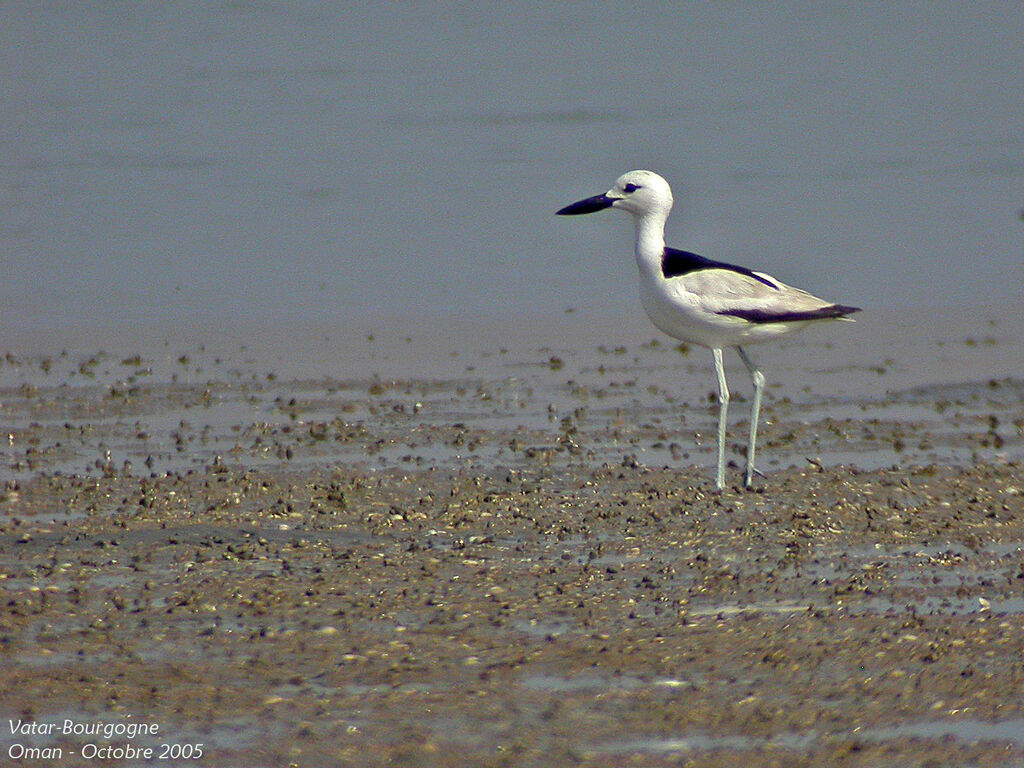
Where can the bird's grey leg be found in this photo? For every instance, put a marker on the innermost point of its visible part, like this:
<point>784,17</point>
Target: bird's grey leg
<point>755,412</point>
<point>723,408</point>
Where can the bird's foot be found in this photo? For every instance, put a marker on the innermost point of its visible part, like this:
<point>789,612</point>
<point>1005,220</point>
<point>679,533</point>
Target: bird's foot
<point>748,480</point>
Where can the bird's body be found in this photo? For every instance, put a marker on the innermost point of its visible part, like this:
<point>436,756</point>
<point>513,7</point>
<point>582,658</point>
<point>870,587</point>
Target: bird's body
<point>705,302</point>
<point>717,306</point>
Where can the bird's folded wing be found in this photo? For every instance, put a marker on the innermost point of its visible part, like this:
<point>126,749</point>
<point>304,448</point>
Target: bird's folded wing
<point>760,299</point>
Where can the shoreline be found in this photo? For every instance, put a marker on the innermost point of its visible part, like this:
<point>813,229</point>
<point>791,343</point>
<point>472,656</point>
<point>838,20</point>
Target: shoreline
<point>404,397</point>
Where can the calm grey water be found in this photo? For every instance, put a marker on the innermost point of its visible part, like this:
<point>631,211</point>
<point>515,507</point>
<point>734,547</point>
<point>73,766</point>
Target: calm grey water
<point>258,162</point>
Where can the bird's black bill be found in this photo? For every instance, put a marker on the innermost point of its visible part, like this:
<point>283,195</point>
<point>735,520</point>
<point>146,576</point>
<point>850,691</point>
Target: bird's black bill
<point>591,204</point>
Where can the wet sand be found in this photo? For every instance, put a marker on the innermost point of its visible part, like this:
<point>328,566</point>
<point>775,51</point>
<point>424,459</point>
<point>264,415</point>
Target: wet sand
<point>369,548</point>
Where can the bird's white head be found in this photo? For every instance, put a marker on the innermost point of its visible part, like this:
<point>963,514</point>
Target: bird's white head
<point>641,193</point>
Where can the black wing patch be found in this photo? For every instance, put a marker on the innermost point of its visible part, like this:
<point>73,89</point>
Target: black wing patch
<point>675,263</point>
<point>767,316</point>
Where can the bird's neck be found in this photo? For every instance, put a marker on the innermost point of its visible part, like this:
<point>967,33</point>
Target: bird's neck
<point>650,244</point>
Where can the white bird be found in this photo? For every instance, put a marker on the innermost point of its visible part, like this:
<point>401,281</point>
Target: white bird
<point>705,302</point>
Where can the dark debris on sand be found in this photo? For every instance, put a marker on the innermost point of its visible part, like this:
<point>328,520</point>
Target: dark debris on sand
<point>532,616</point>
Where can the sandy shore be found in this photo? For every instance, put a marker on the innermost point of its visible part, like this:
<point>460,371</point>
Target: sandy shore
<point>366,548</point>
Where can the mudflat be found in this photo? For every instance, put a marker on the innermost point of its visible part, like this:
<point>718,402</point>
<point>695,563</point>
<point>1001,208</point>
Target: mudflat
<point>368,548</point>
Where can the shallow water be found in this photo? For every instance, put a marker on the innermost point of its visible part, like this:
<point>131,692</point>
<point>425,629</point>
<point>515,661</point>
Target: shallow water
<point>162,169</point>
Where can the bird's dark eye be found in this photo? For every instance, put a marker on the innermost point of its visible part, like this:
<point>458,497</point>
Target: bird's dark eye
<point>630,188</point>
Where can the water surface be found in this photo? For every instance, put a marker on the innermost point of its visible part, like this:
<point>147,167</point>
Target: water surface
<point>257,163</point>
